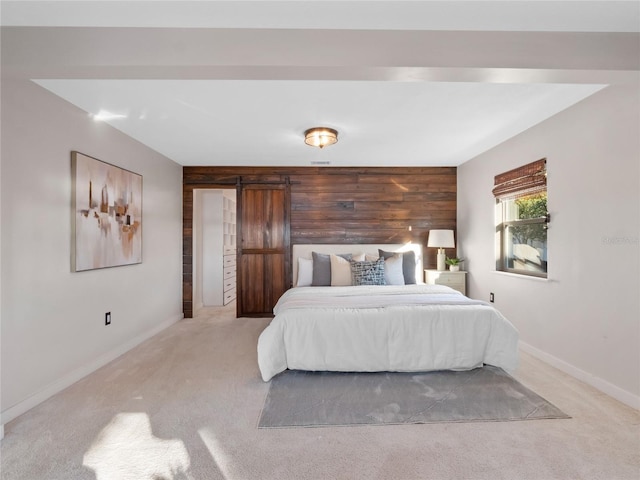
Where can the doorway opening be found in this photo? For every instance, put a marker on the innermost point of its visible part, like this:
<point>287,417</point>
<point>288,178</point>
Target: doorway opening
<point>214,249</point>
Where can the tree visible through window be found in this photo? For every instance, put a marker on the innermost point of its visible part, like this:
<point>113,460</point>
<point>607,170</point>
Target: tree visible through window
<point>521,220</point>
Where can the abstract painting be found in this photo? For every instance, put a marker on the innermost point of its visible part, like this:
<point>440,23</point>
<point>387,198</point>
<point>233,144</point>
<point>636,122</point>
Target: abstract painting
<point>106,215</point>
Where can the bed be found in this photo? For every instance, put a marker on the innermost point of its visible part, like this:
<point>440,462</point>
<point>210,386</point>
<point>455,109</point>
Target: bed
<point>369,328</point>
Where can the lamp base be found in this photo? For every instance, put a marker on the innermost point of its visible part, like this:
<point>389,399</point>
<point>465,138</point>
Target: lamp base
<point>441,264</point>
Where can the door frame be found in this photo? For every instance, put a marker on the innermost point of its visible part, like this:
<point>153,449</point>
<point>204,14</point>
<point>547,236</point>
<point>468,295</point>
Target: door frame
<point>187,235</point>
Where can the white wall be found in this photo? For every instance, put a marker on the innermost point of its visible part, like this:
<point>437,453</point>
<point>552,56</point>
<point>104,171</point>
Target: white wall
<point>585,319</point>
<point>1,422</point>
<point>53,330</point>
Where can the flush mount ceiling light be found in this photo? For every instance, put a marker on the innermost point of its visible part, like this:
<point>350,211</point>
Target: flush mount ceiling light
<point>320,136</point>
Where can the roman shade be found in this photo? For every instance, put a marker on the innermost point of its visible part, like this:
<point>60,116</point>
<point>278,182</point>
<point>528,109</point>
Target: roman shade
<point>521,181</point>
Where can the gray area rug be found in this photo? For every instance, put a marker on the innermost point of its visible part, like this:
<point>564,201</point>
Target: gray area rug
<point>315,399</point>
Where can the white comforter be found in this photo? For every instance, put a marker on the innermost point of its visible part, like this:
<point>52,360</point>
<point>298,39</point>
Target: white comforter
<point>384,328</point>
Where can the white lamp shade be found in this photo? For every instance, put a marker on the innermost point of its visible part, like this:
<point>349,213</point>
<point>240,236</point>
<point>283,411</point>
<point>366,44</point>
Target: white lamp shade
<point>441,239</point>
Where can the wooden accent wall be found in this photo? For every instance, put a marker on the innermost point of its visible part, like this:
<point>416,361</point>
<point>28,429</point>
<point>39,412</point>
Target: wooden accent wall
<point>341,205</point>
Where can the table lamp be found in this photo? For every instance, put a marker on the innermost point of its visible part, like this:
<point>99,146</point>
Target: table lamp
<point>441,239</point>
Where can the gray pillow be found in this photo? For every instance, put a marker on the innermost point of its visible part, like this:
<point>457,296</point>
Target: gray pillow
<point>369,272</point>
<point>408,265</point>
<point>322,268</point>
<point>393,274</point>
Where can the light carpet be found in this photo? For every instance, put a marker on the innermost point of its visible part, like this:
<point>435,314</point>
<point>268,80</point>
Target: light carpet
<point>188,400</point>
<point>315,399</point>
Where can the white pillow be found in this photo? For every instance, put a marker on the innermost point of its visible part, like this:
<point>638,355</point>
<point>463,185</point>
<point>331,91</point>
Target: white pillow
<point>393,274</point>
<point>305,272</point>
<point>370,258</point>
<point>359,257</point>
<point>340,271</point>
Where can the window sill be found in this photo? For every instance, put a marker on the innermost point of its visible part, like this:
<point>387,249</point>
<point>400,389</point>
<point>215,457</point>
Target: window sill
<point>524,277</point>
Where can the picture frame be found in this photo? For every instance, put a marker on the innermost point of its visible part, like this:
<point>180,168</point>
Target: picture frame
<point>106,214</point>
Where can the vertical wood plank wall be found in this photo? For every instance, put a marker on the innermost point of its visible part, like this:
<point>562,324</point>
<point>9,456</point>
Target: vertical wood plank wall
<point>340,205</point>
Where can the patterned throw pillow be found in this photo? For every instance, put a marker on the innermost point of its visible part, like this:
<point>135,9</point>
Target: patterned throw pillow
<point>368,272</point>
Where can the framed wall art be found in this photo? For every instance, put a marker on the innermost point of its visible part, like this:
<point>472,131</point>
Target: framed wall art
<point>106,215</point>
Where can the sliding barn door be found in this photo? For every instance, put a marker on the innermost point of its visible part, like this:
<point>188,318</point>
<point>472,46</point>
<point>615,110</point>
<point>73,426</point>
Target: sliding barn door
<point>264,273</point>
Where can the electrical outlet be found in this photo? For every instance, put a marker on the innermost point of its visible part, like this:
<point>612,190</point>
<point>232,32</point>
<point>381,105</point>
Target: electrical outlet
<point>107,318</point>
<point>491,297</point>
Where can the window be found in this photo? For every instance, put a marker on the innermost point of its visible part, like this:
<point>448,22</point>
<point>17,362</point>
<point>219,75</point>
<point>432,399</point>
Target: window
<point>522,219</point>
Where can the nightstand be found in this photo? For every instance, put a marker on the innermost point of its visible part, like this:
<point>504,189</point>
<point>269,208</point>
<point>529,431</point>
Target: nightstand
<point>455,280</point>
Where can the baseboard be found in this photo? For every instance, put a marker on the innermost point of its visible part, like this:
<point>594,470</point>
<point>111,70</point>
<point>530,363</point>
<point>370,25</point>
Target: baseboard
<point>618,393</point>
<point>82,372</point>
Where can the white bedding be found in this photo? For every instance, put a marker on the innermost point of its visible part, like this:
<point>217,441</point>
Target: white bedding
<point>384,328</point>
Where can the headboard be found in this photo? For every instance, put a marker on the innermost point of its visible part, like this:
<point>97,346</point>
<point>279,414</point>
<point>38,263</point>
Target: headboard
<point>304,251</point>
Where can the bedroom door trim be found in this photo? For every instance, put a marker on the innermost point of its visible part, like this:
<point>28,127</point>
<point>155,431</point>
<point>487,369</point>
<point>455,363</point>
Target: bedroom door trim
<point>187,236</point>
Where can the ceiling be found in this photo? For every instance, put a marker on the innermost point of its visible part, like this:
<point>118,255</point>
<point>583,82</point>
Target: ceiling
<point>415,83</point>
